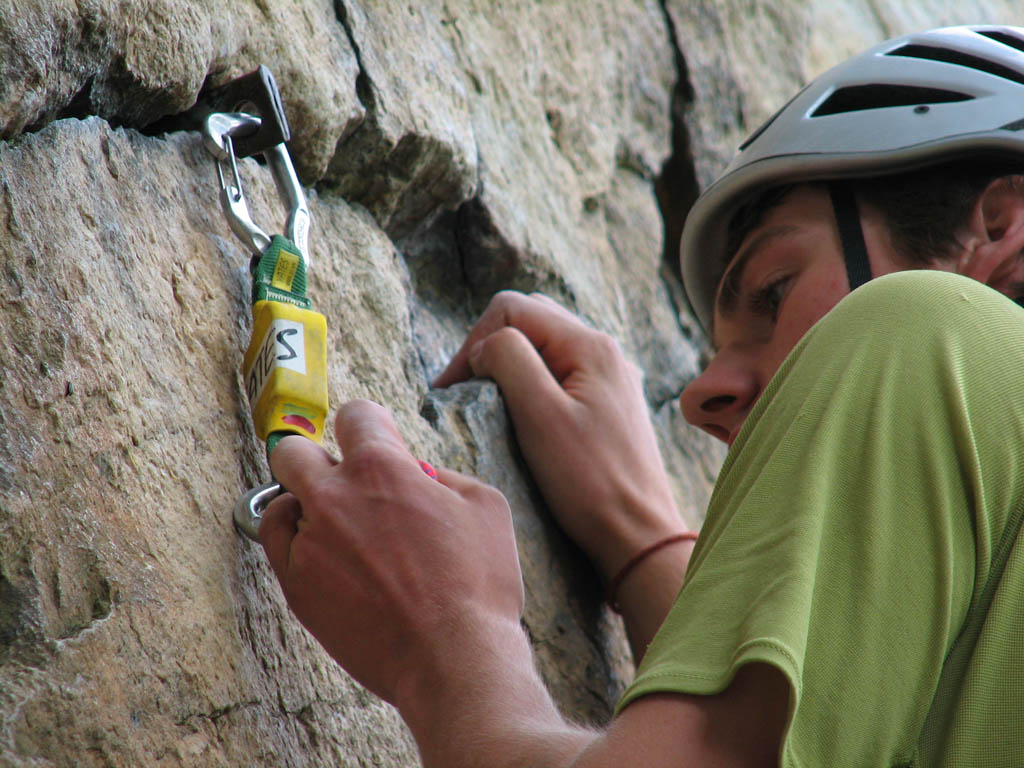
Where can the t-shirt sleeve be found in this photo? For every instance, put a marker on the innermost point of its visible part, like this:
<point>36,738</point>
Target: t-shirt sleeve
<point>840,543</point>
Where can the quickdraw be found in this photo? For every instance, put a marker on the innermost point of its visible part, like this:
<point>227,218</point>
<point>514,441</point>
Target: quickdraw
<point>285,366</point>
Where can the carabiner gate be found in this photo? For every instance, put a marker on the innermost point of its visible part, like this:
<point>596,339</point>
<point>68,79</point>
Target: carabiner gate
<point>218,129</point>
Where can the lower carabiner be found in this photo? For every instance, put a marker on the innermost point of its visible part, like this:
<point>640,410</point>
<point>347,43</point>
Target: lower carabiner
<point>250,507</point>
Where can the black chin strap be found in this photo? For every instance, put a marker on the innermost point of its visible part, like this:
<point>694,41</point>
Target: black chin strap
<point>858,268</point>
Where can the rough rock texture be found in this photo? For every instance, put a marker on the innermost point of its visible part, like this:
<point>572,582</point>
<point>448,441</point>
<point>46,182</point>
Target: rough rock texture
<point>451,149</point>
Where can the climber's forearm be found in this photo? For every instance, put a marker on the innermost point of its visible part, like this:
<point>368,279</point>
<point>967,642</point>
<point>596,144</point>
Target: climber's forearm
<point>486,706</point>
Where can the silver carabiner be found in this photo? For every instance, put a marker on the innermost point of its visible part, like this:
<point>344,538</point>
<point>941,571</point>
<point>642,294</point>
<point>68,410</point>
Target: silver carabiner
<point>217,131</point>
<point>250,508</point>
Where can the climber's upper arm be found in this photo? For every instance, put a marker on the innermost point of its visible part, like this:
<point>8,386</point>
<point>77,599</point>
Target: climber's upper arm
<point>742,726</point>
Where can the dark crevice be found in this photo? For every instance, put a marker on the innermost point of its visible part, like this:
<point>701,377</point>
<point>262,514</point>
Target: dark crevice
<point>364,86</point>
<point>361,169</point>
<point>676,186</point>
<point>81,105</point>
<point>211,98</point>
<point>433,258</point>
<point>364,90</point>
<point>460,251</point>
<point>364,140</point>
<point>189,120</point>
<point>117,95</point>
<point>439,296</point>
<point>405,178</point>
<point>491,263</point>
<point>487,258</point>
<point>17,618</point>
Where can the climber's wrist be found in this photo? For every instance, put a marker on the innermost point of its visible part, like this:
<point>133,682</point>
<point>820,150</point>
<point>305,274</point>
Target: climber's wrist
<point>646,593</point>
<point>633,524</point>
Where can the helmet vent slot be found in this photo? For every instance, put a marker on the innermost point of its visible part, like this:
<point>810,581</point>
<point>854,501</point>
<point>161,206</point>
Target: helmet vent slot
<point>855,98</point>
<point>1003,37</point>
<point>960,59</point>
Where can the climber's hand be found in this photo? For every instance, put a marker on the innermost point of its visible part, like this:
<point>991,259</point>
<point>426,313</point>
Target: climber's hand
<point>581,420</point>
<point>396,574</point>
<point>413,586</point>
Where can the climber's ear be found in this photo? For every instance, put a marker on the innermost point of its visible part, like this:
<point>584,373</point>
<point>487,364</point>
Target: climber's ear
<point>993,239</point>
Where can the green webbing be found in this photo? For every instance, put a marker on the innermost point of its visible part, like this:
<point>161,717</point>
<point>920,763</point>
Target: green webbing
<point>273,439</point>
<point>263,269</point>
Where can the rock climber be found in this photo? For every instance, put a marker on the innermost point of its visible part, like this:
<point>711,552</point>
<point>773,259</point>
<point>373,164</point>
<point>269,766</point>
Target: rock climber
<point>856,593</point>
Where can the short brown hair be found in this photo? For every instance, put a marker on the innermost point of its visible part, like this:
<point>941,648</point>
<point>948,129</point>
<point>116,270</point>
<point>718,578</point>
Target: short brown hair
<point>923,209</point>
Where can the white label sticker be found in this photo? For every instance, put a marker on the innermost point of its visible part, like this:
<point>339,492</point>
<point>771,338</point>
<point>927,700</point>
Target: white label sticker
<point>284,346</point>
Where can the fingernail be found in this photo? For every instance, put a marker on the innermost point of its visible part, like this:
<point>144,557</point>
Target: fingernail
<point>431,472</point>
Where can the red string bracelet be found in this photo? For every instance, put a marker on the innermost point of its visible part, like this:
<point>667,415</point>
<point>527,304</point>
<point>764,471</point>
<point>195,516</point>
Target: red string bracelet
<point>613,585</point>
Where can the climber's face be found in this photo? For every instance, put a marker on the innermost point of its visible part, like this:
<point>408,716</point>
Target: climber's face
<point>788,272</point>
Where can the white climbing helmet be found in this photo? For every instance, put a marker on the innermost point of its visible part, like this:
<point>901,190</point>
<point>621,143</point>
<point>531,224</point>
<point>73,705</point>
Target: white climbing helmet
<point>910,102</point>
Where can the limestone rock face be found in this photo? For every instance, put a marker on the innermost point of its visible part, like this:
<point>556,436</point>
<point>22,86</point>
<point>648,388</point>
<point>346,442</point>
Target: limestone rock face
<point>450,150</point>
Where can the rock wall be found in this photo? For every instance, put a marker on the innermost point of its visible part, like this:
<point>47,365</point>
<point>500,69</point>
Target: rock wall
<point>449,149</point>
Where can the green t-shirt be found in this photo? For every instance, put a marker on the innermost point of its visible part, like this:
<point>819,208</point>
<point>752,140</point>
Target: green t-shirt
<point>863,536</point>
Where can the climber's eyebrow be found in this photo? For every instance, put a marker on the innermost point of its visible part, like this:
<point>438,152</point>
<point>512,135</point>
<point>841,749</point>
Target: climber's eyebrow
<point>729,288</point>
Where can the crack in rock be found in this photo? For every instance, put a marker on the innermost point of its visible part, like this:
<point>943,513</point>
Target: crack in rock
<point>409,159</point>
<point>218,712</point>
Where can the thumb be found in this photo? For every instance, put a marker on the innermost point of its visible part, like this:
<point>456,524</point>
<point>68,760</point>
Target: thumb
<point>361,425</point>
<point>296,462</point>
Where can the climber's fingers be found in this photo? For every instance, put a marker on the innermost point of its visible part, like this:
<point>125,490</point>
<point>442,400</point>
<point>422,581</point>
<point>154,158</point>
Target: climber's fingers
<point>277,529</point>
<point>551,330</point>
<point>298,465</point>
